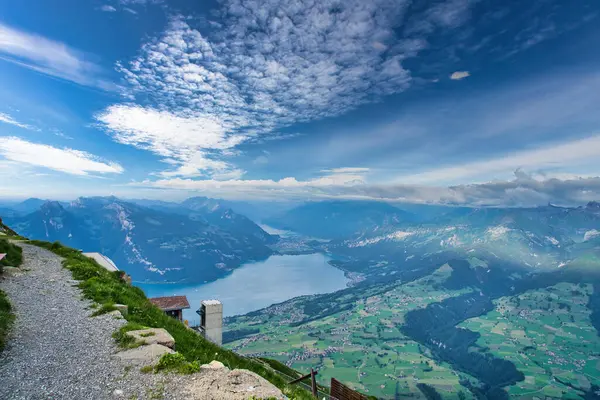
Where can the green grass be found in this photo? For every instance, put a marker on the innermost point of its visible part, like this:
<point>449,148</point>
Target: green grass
<point>14,254</point>
<point>104,309</point>
<point>176,362</point>
<point>105,287</point>
<point>6,319</point>
<point>125,341</point>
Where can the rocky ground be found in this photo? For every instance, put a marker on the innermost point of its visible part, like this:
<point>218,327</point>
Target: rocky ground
<point>57,350</point>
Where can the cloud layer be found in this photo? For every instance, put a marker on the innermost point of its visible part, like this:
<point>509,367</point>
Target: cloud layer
<point>66,160</point>
<point>523,191</point>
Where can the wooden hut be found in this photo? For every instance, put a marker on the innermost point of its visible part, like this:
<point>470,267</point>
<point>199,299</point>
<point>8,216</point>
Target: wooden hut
<point>173,306</point>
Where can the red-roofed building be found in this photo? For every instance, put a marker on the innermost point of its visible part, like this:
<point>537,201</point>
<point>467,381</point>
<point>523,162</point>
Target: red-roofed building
<point>173,306</point>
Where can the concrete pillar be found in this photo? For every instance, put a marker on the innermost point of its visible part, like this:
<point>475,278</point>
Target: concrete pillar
<point>211,320</point>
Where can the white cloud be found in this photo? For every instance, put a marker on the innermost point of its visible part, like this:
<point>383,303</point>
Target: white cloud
<point>49,57</point>
<point>458,75</point>
<point>189,143</point>
<point>108,8</point>
<point>7,119</point>
<point>66,160</point>
<point>561,155</point>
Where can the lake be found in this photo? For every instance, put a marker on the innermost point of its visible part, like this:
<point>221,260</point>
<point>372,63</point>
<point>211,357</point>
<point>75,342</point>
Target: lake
<point>259,284</point>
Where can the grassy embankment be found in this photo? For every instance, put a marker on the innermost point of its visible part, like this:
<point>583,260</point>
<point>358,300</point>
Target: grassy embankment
<point>14,254</point>
<point>14,258</point>
<point>107,288</point>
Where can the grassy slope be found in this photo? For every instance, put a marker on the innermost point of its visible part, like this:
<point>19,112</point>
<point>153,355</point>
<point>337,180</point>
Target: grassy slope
<point>14,258</point>
<point>5,230</point>
<point>14,254</point>
<point>105,287</point>
<point>6,319</point>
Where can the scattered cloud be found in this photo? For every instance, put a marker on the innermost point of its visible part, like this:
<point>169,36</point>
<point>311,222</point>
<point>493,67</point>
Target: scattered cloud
<point>108,8</point>
<point>49,57</point>
<point>61,134</point>
<point>66,160</point>
<point>7,119</point>
<point>458,75</point>
<point>270,65</point>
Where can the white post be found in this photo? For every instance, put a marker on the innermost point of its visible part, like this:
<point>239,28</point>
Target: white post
<point>211,321</point>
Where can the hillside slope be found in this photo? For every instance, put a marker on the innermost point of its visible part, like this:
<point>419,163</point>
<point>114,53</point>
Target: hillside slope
<point>74,338</point>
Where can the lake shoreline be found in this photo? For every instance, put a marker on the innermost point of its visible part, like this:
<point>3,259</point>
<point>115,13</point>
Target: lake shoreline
<point>256,285</point>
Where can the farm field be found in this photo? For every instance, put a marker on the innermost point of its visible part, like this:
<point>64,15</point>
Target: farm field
<point>362,346</point>
<point>548,335</point>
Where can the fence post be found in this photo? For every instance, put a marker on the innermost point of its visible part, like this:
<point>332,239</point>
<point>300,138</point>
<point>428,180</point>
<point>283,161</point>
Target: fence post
<point>313,382</point>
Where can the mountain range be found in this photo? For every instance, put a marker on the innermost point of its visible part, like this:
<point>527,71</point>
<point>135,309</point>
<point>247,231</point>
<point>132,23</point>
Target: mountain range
<point>196,242</point>
<point>473,303</point>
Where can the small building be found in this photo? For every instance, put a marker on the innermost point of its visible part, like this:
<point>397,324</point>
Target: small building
<point>104,261</point>
<point>211,320</point>
<point>173,306</point>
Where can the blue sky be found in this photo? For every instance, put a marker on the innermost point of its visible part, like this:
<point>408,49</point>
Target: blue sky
<point>451,101</point>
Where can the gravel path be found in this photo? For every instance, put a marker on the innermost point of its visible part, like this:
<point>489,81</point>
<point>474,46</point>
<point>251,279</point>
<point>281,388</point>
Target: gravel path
<point>56,350</point>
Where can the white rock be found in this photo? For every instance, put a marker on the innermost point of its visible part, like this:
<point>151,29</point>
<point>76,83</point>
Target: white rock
<point>225,384</point>
<point>144,355</point>
<point>153,335</point>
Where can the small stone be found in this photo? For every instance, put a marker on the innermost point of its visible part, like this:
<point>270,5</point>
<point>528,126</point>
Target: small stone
<point>115,314</point>
<point>118,393</point>
<point>122,308</point>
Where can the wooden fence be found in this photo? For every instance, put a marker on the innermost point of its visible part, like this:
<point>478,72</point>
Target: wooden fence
<point>343,392</point>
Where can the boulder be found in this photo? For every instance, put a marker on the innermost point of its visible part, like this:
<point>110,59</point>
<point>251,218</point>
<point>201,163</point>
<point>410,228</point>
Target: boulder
<point>153,336</point>
<point>216,382</point>
<point>144,355</point>
<point>212,365</point>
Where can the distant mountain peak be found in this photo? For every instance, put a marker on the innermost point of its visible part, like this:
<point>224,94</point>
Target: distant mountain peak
<point>593,205</point>
<point>51,207</point>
